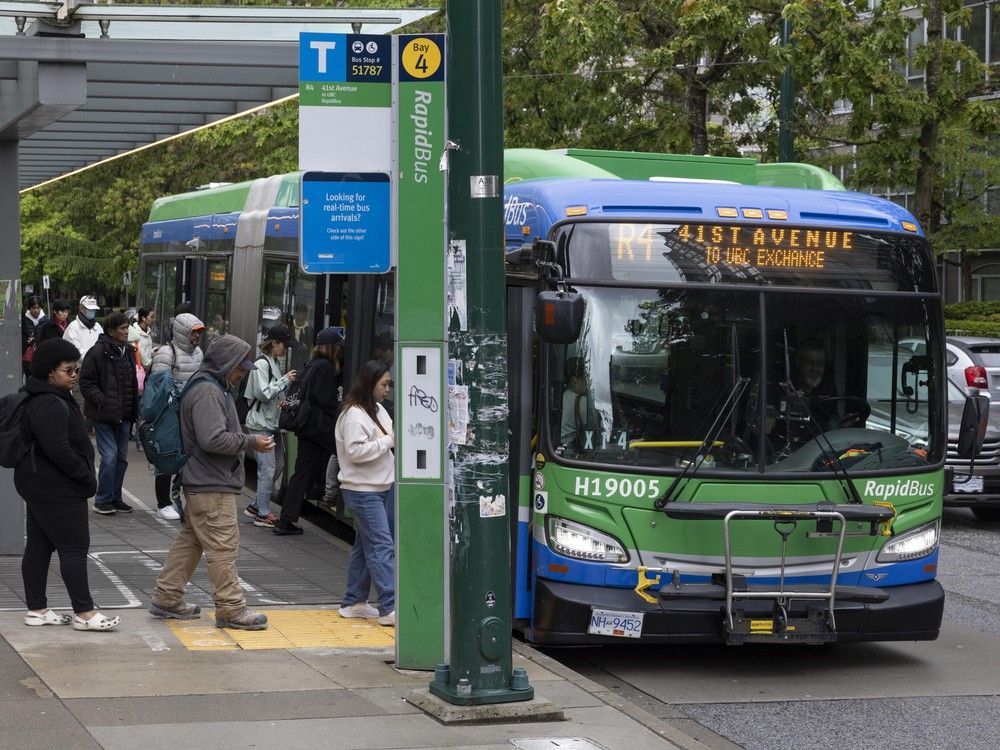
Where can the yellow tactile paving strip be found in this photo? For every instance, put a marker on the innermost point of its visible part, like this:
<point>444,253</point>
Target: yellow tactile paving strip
<point>287,628</point>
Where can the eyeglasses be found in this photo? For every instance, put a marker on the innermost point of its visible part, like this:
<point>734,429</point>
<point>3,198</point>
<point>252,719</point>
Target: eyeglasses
<point>75,370</point>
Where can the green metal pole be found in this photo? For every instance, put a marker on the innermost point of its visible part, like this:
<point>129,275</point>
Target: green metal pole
<point>786,104</point>
<point>480,666</point>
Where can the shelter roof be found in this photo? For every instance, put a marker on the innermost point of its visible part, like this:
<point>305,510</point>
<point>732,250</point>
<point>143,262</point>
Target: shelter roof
<point>82,82</point>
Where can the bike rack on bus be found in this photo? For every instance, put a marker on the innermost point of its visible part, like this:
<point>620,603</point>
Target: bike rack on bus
<point>817,626</point>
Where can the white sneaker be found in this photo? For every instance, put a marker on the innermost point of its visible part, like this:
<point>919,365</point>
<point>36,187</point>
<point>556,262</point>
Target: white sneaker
<point>168,513</point>
<point>389,619</point>
<point>361,609</point>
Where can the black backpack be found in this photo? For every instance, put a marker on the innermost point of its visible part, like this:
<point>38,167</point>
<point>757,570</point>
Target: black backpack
<point>14,442</point>
<point>294,415</point>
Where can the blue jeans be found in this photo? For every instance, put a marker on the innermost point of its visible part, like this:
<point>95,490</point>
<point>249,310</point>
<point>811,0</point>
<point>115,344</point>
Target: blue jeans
<point>269,466</point>
<point>373,556</point>
<point>112,445</point>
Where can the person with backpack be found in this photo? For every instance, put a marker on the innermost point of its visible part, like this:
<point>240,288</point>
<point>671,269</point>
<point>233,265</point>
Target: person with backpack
<point>111,400</point>
<point>365,440</point>
<point>319,391</point>
<point>55,478</point>
<point>181,357</point>
<point>264,389</point>
<point>212,480</point>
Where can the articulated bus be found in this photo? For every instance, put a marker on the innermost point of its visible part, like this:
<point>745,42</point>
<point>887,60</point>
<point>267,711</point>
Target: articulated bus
<point>727,392</point>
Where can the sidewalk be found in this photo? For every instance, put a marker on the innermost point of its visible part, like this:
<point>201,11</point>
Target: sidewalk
<point>312,680</point>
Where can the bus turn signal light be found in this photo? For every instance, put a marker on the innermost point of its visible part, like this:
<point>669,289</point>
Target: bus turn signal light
<point>975,377</point>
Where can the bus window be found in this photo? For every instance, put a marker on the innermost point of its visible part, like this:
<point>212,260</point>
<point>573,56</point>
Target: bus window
<point>855,369</point>
<point>168,272</point>
<point>300,315</point>
<point>653,370</point>
<point>152,291</point>
<point>216,300</point>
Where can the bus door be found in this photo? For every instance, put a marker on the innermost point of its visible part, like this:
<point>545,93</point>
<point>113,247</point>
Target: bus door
<point>521,361</point>
<point>370,327</point>
<point>163,288</point>
<point>294,299</point>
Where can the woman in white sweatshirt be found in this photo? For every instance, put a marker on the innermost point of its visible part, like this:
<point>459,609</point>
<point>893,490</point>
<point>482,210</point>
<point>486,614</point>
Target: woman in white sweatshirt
<point>367,471</point>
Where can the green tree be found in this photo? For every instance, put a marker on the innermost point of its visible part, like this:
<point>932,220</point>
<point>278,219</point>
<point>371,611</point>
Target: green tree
<point>636,75</point>
<point>908,104</point>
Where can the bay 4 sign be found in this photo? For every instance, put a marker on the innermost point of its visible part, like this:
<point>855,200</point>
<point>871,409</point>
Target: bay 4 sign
<point>345,222</point>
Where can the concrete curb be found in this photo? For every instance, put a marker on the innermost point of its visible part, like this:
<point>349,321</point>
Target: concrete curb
<point>653,723</point>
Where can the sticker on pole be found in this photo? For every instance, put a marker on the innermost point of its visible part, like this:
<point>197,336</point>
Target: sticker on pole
<point>492,506</point>
<point>345,221</point>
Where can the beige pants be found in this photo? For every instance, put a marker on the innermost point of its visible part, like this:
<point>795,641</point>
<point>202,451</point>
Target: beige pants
<point>209,526</point>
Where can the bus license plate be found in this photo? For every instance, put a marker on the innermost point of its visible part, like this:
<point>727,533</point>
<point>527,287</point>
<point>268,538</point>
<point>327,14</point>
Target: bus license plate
<point>619,624</point>
<point>974,484</point>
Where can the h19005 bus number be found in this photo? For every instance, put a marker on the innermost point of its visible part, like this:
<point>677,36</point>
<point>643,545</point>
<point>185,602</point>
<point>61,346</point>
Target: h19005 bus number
<point>615,487</point>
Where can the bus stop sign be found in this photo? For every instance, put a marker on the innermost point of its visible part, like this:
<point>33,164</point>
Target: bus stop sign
<point>345,222</point>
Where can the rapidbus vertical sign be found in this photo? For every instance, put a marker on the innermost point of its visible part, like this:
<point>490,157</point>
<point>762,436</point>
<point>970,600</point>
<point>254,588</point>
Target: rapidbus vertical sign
<point>421,563</point>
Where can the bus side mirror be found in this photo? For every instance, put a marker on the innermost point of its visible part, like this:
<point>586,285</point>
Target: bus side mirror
<point>972,433</point>
<point>559,316</point>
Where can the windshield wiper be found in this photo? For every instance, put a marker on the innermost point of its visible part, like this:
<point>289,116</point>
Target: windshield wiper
<point>707,443</point>
<point>839,470</point>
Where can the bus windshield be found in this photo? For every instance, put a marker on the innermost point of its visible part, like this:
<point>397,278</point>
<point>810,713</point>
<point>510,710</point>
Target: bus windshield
<point>652,370</point>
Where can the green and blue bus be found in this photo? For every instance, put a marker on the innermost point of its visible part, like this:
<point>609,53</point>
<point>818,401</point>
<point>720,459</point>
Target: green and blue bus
<point>727,391</point>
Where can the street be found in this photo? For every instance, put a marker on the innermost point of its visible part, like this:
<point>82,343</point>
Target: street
<point>939,694</point>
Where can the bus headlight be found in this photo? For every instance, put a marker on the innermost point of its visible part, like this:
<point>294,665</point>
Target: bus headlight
<point>915,543</point>
<point>584,543</point>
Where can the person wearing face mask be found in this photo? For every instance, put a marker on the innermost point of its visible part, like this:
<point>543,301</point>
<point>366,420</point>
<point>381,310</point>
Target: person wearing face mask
<point>111,398</point>
<point>83,332</point>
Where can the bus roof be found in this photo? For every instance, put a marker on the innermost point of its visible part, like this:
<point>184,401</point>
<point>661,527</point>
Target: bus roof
<point>633,165</point>
<point>220,200</point>
<point>532,207</point>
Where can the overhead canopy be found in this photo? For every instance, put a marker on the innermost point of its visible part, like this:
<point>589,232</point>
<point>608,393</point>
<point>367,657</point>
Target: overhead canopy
<point>80,82</point>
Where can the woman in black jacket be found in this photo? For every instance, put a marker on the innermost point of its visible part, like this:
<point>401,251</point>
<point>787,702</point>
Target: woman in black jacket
<point>322,387</point>
<point>55,479</point>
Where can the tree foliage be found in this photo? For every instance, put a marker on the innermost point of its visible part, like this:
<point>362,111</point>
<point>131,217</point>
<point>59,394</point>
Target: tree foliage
<point>914,119</point>
<point>636,75</point>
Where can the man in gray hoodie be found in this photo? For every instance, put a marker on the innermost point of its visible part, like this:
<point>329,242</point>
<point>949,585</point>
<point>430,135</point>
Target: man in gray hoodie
<point>212,478</point>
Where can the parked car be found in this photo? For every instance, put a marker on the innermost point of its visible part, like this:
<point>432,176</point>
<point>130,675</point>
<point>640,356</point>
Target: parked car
<point>974,362</point>
<point>980,490</point>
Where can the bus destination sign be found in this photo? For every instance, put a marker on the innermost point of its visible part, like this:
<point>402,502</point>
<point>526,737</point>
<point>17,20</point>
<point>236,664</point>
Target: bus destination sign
<point>754,246</point>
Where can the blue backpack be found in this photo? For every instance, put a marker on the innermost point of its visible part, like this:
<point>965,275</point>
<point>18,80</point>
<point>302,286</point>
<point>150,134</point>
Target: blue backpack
<point>159,426</point>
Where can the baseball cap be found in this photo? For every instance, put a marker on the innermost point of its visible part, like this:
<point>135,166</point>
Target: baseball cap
<point>271,313</point>
<point>247,364</point>
<point>89,302</point>
<point>331,335</point>
<point>280,333</point>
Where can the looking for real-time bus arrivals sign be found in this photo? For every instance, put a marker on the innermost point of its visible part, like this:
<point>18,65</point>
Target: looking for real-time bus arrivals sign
<point>345,222</point>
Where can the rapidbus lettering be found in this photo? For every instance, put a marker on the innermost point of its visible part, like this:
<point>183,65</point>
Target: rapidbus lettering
<point>899,488</point>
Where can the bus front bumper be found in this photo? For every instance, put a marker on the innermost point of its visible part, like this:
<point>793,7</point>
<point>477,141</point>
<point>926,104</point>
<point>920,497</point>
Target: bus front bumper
<point>563,612</point>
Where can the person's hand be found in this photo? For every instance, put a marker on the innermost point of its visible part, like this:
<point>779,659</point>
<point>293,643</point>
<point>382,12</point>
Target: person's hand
<point>263,443</point>
<point>292,375</point>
